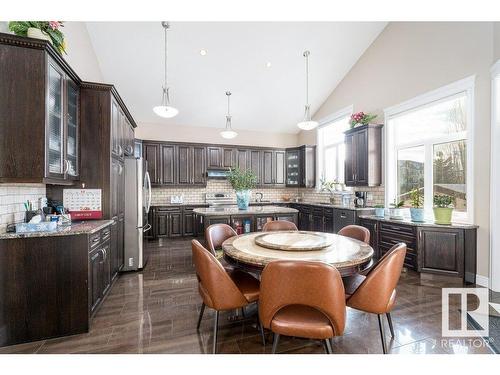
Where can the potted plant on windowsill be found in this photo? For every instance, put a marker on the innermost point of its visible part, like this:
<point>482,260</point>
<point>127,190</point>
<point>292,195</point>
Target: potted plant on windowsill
<point>416,210</point>
<point>331,187</point>
<point>443,209</point>
<point>396,210</point>
<point>243,181</point>
<point>379,210</point>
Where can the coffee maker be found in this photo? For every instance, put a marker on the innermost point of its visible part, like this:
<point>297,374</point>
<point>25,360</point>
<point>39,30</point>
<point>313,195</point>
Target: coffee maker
<point>360,199</point>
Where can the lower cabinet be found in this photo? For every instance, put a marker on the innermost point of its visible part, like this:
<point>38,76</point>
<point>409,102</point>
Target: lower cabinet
<point>432,249</point>
<point>171,222</point>
<point>102,261</point>
<point>441,251</point>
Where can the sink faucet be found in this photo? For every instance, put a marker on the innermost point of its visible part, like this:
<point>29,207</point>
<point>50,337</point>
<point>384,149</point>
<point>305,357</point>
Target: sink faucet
<point>260,196</point>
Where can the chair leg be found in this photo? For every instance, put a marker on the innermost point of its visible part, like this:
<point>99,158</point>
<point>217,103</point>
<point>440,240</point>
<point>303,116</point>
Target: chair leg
<point>391,327</point>
<point>261,329</point>
<point>275,342</point>
<point>202,310</point>
<point>382,333</point>
<point>214,350</point>
<point>328,346</point>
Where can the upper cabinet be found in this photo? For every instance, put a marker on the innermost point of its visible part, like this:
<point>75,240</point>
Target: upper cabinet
<point>40,114</point>
<point>301,167</point>
<point>363,156</point>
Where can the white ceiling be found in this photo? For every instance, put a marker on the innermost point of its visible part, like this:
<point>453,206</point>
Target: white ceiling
<point>272,99</point>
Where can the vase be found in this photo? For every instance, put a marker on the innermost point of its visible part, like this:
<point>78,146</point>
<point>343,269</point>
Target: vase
<point>396,213</point>
<point>417,214</point>
<point>379,211</point>
<point>36,33</point>
<point>243,199</point>
<point>442,215</point>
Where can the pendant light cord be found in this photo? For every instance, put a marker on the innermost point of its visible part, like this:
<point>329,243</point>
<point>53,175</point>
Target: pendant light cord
<point>306,55</point>
<point>228,116</point>
<point>165,26</point>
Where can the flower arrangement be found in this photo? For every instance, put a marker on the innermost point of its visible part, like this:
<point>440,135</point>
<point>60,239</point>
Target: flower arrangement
<point>443,201</point>
<point>417,199</point>
<point>361,118</point>
<point>49,28</point>
<point>443,208</point>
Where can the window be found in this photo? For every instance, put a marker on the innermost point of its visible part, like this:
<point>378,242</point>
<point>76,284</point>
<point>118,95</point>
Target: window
<point>428,149</point>
<point>331,148</point>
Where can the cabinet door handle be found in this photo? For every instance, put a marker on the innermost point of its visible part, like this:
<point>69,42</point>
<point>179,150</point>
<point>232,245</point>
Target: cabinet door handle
<point>120,150</point>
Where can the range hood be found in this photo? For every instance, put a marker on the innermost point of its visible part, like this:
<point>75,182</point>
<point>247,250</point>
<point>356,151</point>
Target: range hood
<point>217,173</point>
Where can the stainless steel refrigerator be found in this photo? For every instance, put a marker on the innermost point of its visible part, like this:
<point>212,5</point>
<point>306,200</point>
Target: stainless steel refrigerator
<point>137,205</point>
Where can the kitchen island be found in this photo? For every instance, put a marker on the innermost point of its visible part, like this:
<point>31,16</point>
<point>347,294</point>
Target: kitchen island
<point>243,221</point>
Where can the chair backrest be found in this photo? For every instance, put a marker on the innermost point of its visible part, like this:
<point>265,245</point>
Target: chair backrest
<point>313,284</point>
<point>357,232</point>
<point>221,289</point>
<point>277,225</point>
<point>216,234</point>
<point>376,291</point>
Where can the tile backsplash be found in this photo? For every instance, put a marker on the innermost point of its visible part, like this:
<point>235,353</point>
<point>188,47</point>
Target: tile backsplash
<point>191,195</point>
<point>12,197</point>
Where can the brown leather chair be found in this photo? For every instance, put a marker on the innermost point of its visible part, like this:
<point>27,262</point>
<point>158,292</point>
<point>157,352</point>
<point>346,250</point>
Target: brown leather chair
<point>302,299</point>
<point>216,234</point>
<point>219,289</point>
<point>277,225</point>
<point>376,292</point>
<point>356,232</point>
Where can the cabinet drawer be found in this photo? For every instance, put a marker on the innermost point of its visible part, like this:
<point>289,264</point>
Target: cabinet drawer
<point>410,257</point>
<point>106,234</point>
<point>393,238</point>
<point>410,248</point>
<point>168,209</point>
<point>398,228</point>
<point>94,240</point>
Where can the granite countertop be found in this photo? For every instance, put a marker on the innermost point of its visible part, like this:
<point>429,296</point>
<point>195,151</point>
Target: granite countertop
<point>270,203</point>
<point>76,228</point>
<point>427,223</point>
<point>252,210</point>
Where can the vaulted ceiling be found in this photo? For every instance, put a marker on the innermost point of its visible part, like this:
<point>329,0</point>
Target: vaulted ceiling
<point>265,98</point>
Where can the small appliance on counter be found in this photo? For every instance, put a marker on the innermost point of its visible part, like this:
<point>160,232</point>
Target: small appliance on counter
<point>360,199</point>
<point>346,198</point>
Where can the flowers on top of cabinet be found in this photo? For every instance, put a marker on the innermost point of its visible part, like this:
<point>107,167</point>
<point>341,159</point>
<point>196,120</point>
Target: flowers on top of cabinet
<point>242,181</point>
<point>47,30</point>
<point>361,118</point>
<point>443,208</point>
<point>417,201</point>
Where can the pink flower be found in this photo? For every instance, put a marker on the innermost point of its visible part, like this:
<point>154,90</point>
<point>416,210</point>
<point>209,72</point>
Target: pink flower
<point>54,25</point>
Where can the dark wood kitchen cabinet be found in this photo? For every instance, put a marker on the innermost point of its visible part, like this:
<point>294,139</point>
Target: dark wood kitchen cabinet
<point>168,222</point>
<point>273,168</point>
<point>151,152</point>
<point>363,156</point>
<point>301,167</point>
<point>40,113</point>
<point>192,165</point>
<point>436,249</point>
<point>168,170</point>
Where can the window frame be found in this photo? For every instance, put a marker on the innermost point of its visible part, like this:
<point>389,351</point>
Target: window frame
<point>465,86</point>
<point>320,149</point>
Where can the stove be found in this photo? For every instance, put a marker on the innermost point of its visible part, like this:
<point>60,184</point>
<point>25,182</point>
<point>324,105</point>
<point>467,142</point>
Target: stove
<point>220,199</point>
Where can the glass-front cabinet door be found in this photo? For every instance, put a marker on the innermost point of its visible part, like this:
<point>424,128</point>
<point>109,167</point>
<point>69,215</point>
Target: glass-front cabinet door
<point>55,122</point>
<point>72,129</point>
<point>292,168</point>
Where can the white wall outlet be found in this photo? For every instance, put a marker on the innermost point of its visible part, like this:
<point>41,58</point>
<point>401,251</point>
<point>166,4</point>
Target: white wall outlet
<point>130,262</point>
<point>369,196</point>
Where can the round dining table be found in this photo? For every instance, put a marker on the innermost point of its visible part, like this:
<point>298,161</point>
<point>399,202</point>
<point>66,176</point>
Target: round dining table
<point>253,252</point>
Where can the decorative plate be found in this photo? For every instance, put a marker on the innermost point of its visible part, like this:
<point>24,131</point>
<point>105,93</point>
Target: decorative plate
<point>294,240</point>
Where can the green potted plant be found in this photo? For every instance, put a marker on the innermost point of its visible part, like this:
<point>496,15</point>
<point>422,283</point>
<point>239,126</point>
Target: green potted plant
<point>331,187</point>
<point>46,30</point>
<point>379,210</point>
<point>443,208</point>
<point>243,181</point>
<point>417,201</point>
<point>396,210</point>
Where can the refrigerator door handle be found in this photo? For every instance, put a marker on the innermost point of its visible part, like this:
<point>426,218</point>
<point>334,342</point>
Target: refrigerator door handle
<point>149,192</point>
<point>146,228</point>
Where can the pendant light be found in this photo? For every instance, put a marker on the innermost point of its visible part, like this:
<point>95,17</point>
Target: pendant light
<point>307,123</point>
<point>228,132</point>
<point>165,109</point>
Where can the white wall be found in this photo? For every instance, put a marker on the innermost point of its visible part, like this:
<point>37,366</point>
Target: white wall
<point>198,134</point>
<point>408,59</point>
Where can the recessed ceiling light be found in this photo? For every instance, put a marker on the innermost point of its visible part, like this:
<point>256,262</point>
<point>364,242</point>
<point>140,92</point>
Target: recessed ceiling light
<point>203,52</point>
<point>268,64</point>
